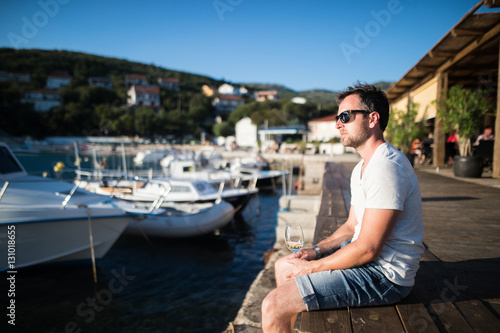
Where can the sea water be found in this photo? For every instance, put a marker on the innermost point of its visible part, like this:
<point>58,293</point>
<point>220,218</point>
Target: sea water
<point>156,285</point>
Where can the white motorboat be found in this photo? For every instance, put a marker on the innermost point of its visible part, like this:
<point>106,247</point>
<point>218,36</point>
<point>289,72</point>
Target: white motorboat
<point>150,156</point>
<point>248,174</point>
<point>166,190</point>
<point>172,208</point>
<point>43,220</point>
<point>183,220</point>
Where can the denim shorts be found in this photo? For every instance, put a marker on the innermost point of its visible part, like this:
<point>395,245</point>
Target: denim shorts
<point>360,286</point>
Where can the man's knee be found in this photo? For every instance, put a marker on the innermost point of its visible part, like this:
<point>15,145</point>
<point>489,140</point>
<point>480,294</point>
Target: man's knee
<point>281,264</point>
<point>268,308</point>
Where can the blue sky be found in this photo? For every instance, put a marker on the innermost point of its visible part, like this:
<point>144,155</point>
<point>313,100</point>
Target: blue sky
<point>324,44</point>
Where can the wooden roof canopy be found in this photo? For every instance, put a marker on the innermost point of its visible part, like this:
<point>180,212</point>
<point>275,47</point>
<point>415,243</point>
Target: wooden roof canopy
<point>468,53</point>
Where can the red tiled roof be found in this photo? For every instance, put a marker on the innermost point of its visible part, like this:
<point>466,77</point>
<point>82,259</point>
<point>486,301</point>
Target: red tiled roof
<point>60,75</point>
<point>147,89</point>
<point>135,76</point>
<point>169,79</point>
<point>324,119</point>
<point>44,91</point>
<point>232,97</point>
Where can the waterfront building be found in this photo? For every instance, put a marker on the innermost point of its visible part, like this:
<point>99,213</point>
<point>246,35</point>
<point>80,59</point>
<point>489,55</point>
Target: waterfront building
<point>323,129</point>
<point>101,81</point>
<point>42,99</point>
<point>135,79</point>
<point>144,95</point>
<point>19,77</point>
<point>169,83</point>
<point>266,95</point>
<point>227,102</point>
<point>58,79</point>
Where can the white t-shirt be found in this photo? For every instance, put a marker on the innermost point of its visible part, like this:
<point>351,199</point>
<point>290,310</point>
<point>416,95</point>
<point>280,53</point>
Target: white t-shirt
<point>389,182</point>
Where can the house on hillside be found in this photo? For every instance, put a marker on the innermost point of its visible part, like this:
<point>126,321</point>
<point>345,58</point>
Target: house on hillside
<point>135,79</point>
<point>42,99</point>
<point>208,91</point>
<point>58,79</point>
<point>227,103</point>
<point>100,81</point>
<point>169,83</point>
<point>19,77</point>
<point>323,129</point>
<point>266,95</point>
<point>144,95</point>
<point>227,89</point>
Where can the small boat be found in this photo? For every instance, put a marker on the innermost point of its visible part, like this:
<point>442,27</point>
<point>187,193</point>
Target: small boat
<point>248,174</point>
<point>266,179</point>
<point>168,190</point>
<point>182,220</point>
<point>43,220</point>
<point>170,208</point>
<point>150,156</point>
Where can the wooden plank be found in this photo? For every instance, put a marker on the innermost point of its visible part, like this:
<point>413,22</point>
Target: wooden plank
<point>493,304</point>
<point>429,290</point>
<point>454,289</point>
<point>447,317</point>
<point>480,318</point>
<point>337,320</point>
<point>414,316</point>
<point>325,226</point>
<point>376,319</point>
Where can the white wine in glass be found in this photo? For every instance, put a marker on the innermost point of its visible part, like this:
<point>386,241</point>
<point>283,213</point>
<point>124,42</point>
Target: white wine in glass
<point>294,237</point>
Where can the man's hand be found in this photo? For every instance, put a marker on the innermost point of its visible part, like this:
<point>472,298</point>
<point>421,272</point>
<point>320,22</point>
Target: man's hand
<point>306,254</point>
<point>299,267</point>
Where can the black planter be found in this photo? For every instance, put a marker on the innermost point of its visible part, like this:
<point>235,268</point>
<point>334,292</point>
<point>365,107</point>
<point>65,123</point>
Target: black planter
<point>468,166</point>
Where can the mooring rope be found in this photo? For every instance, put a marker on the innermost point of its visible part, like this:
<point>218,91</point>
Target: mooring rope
<point>91,238</point>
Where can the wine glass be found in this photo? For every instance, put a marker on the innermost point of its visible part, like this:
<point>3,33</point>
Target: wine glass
<point>294,237</point>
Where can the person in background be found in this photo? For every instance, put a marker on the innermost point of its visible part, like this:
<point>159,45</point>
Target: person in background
<point>487,135</point>
<point>451,148</point>
<point>373,257</point>
<point>427,149</point>
<point>485,149</point>
<point>416,148</point>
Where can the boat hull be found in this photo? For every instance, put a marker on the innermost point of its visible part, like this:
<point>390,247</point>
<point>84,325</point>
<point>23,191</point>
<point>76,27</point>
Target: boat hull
<point>184,225</point>
<point>56,241</point>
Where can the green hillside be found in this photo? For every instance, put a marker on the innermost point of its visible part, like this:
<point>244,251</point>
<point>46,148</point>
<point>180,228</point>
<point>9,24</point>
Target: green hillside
<point>89,110</point>
<point>40,63</point>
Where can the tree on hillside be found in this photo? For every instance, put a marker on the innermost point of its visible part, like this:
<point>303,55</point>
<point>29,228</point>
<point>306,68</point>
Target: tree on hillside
<point>223,129</point>
<point>145,121</point>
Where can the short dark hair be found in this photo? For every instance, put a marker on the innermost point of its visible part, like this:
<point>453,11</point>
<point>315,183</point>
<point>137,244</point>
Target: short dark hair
<point>371,99</point>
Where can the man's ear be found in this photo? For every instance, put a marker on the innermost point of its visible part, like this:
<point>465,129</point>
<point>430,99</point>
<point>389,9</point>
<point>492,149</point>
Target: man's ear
<point>374,119</point>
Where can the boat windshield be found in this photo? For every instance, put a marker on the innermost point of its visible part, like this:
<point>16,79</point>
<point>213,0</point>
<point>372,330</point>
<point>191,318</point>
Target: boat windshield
<point>8,163</point>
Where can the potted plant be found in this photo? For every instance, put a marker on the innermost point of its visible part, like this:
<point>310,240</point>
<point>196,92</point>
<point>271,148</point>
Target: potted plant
<point>403,129</point>
<point>463,110</point>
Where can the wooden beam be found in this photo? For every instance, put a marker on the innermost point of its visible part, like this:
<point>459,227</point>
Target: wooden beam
<point>426,68</point>
<point>443,54</point>
<point>492,3</point>
<point>492,33</point>
<point>496,147</point>
<point>465,32</point>
<point>439,152</point>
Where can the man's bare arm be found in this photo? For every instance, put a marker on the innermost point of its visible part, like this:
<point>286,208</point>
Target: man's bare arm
<point>376,228</point>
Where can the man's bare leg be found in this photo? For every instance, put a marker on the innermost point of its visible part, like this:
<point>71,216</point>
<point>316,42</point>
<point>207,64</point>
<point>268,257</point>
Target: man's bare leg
<point>280,307</point>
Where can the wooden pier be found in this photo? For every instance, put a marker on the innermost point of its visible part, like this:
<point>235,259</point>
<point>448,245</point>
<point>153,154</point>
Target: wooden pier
<point>458,284</point>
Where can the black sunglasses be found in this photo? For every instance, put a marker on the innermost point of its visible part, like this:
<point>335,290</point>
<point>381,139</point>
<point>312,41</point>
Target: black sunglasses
<point>345,116</point>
